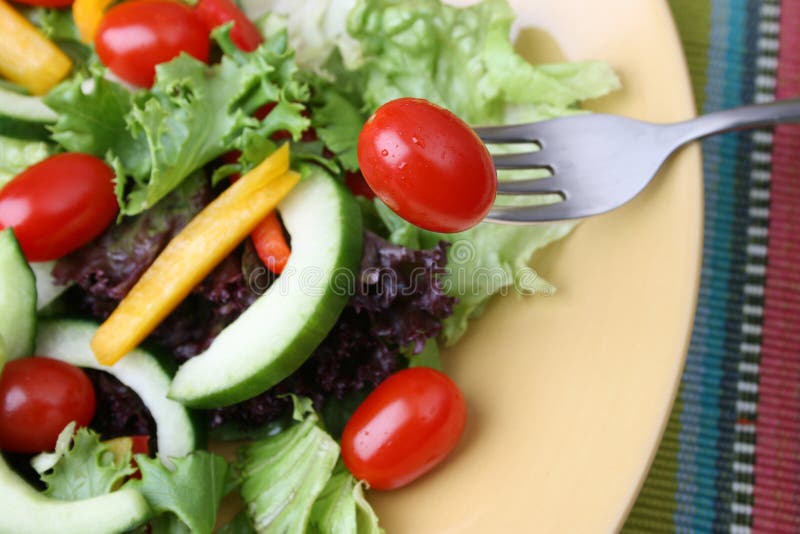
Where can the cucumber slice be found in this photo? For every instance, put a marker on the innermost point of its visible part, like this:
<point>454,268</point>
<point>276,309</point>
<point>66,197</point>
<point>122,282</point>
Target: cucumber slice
<point>68,340</point>
<point>20,129</point>
<point>24,510</point>
<point>273,337</point>
<point>25,107</point>
<point>17,298</point>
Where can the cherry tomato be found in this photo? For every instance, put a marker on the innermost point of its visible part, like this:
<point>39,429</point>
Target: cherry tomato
<point>427,165</point>
<point>135,36</point>
<point>46,3</point>
<point>404,428</point>
<point>59,204</point>
<point>244,33</point>
<point>38,398</point>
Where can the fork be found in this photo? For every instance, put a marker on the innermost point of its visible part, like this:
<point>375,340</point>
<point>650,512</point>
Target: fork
<point>599,162</point>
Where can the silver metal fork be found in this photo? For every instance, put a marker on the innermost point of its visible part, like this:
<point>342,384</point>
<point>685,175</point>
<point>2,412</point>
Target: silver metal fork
<point>599,162</point>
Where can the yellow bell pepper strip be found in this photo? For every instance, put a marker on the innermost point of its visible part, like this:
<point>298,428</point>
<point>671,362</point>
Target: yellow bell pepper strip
<point>192,254</point>
<point>27,57</point>
<point>87,15</point>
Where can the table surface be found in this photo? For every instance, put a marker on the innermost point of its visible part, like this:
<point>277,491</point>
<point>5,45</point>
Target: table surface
<point>730,457</point>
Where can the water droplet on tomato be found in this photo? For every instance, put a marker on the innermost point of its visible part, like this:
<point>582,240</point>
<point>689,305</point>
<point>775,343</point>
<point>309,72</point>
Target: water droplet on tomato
<point>402,165</point>
<point>417,141</point>
<point>384,152</point>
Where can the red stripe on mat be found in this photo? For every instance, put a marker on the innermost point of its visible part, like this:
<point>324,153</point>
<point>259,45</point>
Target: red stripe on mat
<point>777,466</point>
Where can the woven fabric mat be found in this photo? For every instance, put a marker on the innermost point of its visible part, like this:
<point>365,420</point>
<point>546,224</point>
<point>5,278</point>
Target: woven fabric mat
<point>730,458</point>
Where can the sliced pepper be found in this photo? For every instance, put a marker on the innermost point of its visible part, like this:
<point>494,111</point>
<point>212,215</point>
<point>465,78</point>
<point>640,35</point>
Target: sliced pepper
<point>193,254</point>
<point>27,57</point>
<point>270,243</point>
<point>87,15</point>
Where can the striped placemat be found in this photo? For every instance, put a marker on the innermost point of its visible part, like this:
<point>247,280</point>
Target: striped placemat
<point>730,458</point>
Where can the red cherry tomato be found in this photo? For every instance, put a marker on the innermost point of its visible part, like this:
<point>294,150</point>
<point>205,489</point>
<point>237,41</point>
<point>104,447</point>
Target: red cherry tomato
<point>38,398</point>
<point>59,204</point>
<point>427,165</point>
<point>244,33</point>
<point>404,428</point>
<point>134,37</point>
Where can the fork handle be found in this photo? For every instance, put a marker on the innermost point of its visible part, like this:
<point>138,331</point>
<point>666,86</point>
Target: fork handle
<point>755,116</point>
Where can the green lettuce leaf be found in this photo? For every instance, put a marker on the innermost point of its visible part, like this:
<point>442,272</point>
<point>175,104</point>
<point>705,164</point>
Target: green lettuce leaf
<point>292,483</point>
<point>92,118</point>
<point>337,120</point>
<point>315,27</point>
<point>16,155</point>
<point>191,491</point>
<point>193,113</point>
<point>186,495</point>
<point>342,507</point>
<point>463,59</point>
<point>87,468</point>
<point>429,357</point>
<point>483,261</point>
<point>283,475</point>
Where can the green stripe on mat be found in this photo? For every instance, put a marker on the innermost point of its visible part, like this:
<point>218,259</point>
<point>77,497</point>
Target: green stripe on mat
<point>693,18</point>
<point>655,508</point>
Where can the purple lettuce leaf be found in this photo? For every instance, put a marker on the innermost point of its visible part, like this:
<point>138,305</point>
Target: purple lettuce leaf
<point>398,305</point>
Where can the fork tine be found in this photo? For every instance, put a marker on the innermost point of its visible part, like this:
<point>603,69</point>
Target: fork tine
<point>559,211</point>
<point>525,160</point>
<point>533,186</point>
<point>518,133</point>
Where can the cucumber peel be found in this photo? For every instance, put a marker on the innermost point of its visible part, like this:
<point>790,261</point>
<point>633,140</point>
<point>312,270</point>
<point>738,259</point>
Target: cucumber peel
<point>275,335</point>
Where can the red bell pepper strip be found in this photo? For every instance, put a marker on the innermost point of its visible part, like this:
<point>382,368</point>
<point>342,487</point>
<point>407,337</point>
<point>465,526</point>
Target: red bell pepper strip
<point>270,243</point>
<point>268,237</point>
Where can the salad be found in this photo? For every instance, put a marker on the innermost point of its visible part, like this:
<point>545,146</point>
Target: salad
<point>190,254</point>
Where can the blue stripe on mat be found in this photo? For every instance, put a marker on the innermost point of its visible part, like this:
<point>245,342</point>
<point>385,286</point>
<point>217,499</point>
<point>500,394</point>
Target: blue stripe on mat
<point>704,474</point>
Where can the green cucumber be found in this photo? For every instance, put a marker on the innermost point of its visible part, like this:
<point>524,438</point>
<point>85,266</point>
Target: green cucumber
<point>24,116</point>
<point>24,510</point>
<point>19,129</point>
<point>275,335</point>
<point>25,107</point>
<point>17,298</point>
<point>68,340</point>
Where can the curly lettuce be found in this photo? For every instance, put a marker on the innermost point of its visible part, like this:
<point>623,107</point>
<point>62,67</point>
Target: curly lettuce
<point>193,114</point>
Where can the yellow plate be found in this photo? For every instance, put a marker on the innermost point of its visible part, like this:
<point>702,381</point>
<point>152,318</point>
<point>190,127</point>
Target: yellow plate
<point>569,395</point>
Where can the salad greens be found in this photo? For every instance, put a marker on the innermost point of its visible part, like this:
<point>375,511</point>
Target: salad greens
<point>190,493</point>
<point>291,482</point>
<point>183,499</point>
<point>462,59</point>
<point>193,114</point>
<point>324,67</point>
<point>16,155</point>
<point>85,467</point>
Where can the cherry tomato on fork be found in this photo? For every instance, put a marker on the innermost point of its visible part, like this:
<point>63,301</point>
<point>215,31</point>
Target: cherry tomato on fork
<point>427,165</point>
<point>135,36</point>
<point>38,398</point>
<point>59,204</point>
<point>404,428</point>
